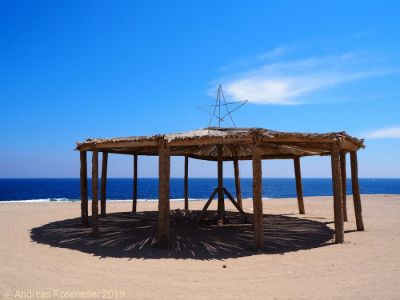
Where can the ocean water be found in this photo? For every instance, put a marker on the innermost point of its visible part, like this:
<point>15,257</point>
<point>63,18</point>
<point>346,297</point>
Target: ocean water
<point>68,189</point>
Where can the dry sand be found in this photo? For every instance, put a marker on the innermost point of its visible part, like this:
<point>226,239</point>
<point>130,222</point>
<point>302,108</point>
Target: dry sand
<point>44,250</point>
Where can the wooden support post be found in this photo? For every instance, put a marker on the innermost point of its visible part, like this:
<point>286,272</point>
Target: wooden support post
<point>135,184</point>
<point>221,203</point>
<point>356,191</point>
<point>186,183</point>
<point>237,183</point>
<point>207,204</point>
<point>299,188</point>
<point>163,191</point>
<point>235,204</point>
<point>337,193</point>
<point>84,188</point>
<point>95,199</point>
<point>257,198</point>
<point>344,183</point>
<point>103,195</point>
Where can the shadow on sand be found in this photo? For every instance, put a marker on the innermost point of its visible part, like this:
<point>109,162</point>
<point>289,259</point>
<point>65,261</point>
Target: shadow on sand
<point>134,236</point>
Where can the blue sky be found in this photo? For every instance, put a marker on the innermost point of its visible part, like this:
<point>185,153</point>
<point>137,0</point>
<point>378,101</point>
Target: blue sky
<point>77,69</point>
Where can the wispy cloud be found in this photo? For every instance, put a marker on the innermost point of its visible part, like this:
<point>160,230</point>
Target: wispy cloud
<point>274,53</point>
<point>384,133</point>
<point>288,82</point>
<point>261,58</point>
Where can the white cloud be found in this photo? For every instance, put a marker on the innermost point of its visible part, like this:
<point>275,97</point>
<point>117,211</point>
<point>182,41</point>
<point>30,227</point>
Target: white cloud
<point>254,60</point>
<point>286,90</point>
<point>384,133</point>
<point>287,83</point>
<point>274,53</point>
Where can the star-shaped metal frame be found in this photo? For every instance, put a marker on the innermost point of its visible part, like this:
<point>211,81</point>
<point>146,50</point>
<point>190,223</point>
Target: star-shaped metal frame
<point>214,111</point>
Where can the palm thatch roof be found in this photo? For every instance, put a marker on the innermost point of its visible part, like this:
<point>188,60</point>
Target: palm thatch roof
<point>237,143</point>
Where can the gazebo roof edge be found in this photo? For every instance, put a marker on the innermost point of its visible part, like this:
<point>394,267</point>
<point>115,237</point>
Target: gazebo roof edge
<point>213,133</point>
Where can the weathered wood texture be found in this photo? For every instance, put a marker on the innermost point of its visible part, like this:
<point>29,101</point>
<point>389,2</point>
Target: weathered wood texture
<point>95,188</point>
<point>299,188</point>
<point>337,194</point>
<point>344,183</point>
<point>84,188</point>
<point>257,199</point>
<point>277,143</point>
<point>237,183</point>
<point>356,191</point>
<point>221,203</point>
<point>230,197</point>
<point>135,183</point>
<point>103,194</point>
<point>186,183</point>
<point>207,204</point>
<point>163,198</point>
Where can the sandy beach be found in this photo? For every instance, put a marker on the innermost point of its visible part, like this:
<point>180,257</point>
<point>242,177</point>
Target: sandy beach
<point>46,254</point>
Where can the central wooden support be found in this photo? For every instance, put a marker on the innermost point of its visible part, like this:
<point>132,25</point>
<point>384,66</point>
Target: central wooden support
<point>299,188</point>
<point>186,183</point>
<point>207,204</point>
<point>235,204</point>
<point>221,202</point>
<point>135,184</point>
<point>356,191</point>
<point>257,199</point>
<point>221,191</point>
<point>163,191</point>
<point>84,188</point>
<point>95,187</point>
<point>237,182</point>
<point>103,194</point>
<point>337,193</point>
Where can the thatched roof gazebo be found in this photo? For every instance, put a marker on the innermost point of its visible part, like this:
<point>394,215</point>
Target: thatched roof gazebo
<point>226,144</point>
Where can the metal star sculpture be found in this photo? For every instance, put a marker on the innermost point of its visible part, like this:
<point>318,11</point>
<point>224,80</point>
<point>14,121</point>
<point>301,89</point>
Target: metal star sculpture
<point>222,109</point>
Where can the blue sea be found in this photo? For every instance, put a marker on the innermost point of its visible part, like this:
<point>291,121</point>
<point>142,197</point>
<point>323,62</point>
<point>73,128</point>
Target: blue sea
<point>68,189</point>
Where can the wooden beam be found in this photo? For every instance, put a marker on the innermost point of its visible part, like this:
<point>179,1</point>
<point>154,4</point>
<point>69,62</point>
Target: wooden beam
<point>249,140</point>
<point>84,188</point>
<point>210,141</point>
<point>230,197</point>
<point>186,183</point>
<point>110,145</point>
<point>299,139</point>
<point>337,194</point>
<point>104,145</point>
<point>237,183</point>
<point>208,158</point>
<point>207,204</point>
<point>344,183</point>
<point>135,183</point>
<point>95,187</point>
<point>221,203</point>
<point>257,199</point>
<point>249,157</point>
<point>103,194</point>
<point>299,188</point>
<point>348,145</point>
<point>356,191</point>
<point>163,190</point>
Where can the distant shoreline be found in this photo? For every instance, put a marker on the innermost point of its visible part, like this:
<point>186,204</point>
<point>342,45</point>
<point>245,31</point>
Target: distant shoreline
<point>181,178</point>
<point>68,190</point>
<point>174,200</point>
